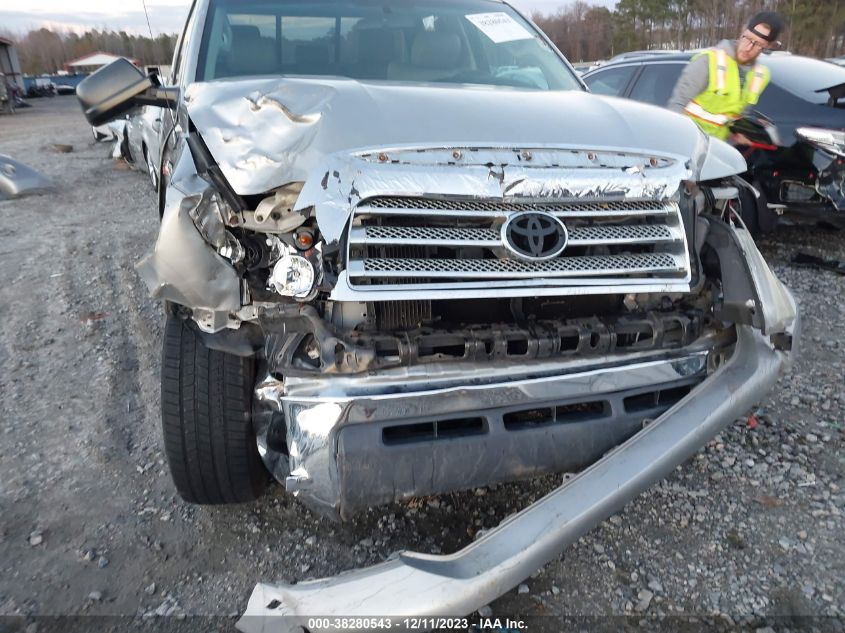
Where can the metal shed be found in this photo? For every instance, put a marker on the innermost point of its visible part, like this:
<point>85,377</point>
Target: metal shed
<point>9,63</point>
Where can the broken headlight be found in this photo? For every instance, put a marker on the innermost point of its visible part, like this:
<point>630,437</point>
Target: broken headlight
<point>832,141</point>
<point>293,276</point>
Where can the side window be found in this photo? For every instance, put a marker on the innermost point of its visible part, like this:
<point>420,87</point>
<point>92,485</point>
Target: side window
<point>656,82</point>
<point>610,82</point>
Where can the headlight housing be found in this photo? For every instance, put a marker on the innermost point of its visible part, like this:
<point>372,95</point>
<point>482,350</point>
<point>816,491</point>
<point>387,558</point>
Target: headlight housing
<point>832,141</point>
<point>293,276</point>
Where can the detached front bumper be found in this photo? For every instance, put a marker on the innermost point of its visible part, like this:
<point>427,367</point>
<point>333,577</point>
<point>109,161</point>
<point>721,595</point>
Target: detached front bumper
<point>414,584</point>
<point>361,441</point>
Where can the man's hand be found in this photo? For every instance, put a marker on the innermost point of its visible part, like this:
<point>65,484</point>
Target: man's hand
<point>740,139</point>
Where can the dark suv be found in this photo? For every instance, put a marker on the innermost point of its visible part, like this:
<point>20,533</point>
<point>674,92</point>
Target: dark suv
<point>805,171</point>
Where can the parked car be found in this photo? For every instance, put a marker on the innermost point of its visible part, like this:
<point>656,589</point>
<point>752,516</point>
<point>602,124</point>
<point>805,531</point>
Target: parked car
<point>644,53</point>
<point>41,87</point>
<point>106,132</point>
<point>142,141</point>
<point>582,67</point>
<point>406,252</point>
<point>804,172</point>
<point>114,132</point>
<point>136,139</point>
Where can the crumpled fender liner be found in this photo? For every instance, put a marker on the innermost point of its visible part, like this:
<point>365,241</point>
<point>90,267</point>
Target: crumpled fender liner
<point>183,267</point>
<point>757,297</point>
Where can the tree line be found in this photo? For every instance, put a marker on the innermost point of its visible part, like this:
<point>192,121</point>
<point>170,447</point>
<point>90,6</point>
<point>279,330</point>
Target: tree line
<point>586,32</point>
<point>582,31</point>
<point>46,51</point>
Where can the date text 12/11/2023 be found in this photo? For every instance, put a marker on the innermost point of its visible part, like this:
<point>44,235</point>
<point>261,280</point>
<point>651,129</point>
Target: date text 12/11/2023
<point>434,624</point>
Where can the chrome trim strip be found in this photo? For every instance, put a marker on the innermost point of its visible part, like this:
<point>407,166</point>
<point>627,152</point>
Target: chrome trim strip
<point>546,287</point>
<point>365,209</point>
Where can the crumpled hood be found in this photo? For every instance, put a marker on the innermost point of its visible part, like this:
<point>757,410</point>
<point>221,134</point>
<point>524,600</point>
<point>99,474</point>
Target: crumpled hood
<point>266,132</point>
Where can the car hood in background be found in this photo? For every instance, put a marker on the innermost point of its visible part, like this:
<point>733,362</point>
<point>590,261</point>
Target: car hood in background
<point>264,133</point>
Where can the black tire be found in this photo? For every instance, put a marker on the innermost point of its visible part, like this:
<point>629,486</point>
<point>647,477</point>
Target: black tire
<point>749,211</point>
<point>124,150</point>
<point>767,219</point>
<point>151,169</point>
<point>206,402</point>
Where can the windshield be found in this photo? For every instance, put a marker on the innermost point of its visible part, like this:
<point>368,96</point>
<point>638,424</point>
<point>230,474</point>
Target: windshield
<point>804,77</point>
<point>455,41</point>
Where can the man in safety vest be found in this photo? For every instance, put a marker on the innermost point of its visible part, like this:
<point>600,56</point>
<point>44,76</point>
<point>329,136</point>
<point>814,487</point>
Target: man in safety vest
<point>721,82</point>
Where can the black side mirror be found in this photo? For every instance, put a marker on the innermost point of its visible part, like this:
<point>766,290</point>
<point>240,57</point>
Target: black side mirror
<point>117,88</point>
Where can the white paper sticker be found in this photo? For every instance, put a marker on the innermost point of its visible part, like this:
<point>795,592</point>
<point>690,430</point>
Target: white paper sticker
<point>499,27</point>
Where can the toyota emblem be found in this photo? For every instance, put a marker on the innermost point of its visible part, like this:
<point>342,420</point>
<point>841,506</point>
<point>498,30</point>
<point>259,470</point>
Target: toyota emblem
<point>534,236</point>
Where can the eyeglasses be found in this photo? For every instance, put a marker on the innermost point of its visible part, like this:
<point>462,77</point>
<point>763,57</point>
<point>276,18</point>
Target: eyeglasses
<point>754,44</point>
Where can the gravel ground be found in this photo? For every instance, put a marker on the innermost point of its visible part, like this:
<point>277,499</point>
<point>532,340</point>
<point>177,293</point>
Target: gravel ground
<point>751,527</point>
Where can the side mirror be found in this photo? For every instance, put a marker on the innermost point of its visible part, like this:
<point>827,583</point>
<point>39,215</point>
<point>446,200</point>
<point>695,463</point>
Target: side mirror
<point>117,88</point>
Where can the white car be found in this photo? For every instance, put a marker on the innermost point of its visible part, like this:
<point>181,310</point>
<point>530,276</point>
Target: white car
<point>136,140</point>
<point>142,140</point>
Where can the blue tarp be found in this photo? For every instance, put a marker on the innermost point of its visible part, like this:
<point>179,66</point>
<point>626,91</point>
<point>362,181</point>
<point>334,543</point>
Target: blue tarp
<point>66,80</point>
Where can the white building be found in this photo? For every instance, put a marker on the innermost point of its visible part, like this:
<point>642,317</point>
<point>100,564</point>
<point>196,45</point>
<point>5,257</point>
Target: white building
<point>93,62</point>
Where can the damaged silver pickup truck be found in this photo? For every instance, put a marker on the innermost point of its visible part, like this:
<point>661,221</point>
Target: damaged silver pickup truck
<point>404,252</point>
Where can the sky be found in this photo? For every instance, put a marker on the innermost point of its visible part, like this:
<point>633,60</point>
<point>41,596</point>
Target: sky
<point>166,16</point>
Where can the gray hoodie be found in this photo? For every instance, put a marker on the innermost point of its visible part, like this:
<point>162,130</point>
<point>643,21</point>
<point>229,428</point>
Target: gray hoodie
<point>696,76</point>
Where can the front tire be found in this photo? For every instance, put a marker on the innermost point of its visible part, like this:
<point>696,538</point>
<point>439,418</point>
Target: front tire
<point>749,211</point>
<point>206,402</point>
<point>151,169</point>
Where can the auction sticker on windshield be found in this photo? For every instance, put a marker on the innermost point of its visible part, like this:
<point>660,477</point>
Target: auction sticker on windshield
<point>499,27</point>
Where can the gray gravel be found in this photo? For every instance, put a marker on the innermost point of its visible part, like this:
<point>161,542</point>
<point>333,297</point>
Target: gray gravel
<point>751,526</point>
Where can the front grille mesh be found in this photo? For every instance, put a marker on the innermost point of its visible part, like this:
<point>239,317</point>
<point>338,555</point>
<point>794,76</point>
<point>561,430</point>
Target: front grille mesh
<point>407,242</point>
<point>623,233</point>
<point>440,204</point>
<point>561,266</point>
<point>491,237</point>
<point>393,234</point>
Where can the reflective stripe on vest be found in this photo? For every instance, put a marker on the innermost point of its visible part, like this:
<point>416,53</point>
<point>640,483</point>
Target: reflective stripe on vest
<point>695,110</point>
<point>755,84</point>
<point>721,69</point>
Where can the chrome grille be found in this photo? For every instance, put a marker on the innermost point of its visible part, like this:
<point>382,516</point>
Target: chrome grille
<point>407,242</point>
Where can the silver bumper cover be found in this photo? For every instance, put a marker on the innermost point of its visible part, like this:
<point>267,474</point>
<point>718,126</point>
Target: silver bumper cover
<point>414,584</point>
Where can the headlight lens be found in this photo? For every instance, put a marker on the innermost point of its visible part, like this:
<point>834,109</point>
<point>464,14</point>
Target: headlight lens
<point>292,276</point>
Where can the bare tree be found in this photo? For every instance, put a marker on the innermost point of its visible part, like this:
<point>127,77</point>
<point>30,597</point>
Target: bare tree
<point>46,51</point>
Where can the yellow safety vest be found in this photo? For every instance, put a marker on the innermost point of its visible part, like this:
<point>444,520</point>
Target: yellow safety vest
<point>724,99</point>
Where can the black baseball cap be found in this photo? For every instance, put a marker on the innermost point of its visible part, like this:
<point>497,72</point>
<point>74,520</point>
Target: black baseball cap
<point>770,19</point>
